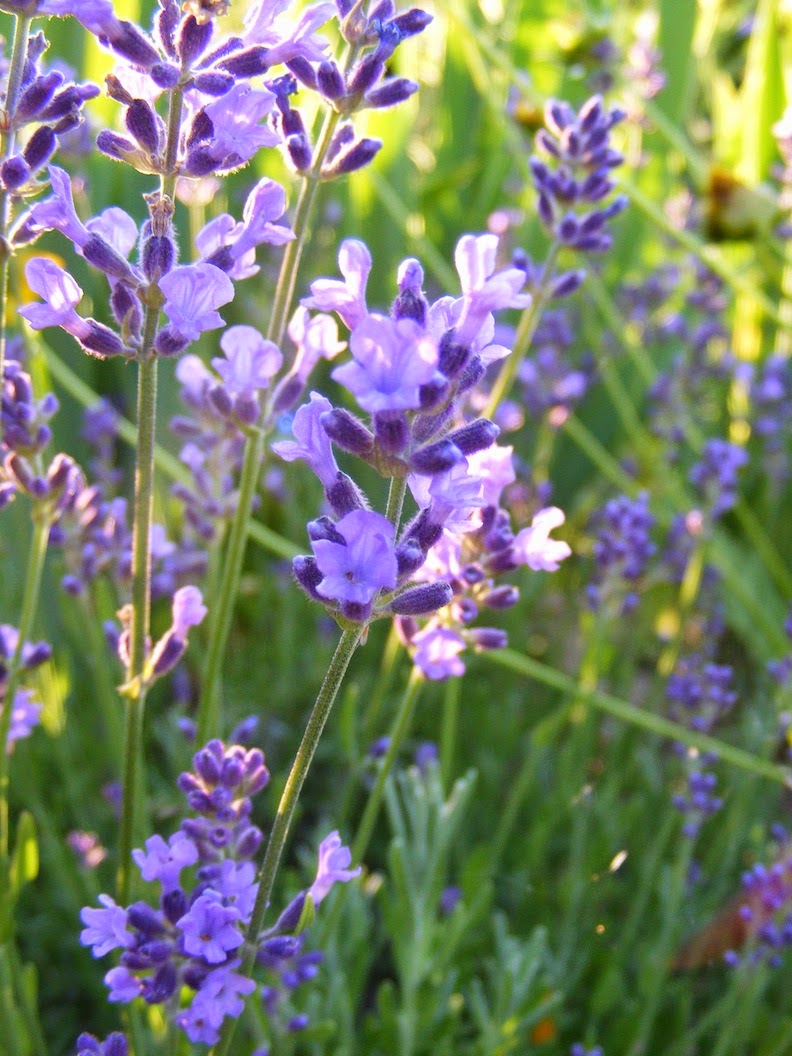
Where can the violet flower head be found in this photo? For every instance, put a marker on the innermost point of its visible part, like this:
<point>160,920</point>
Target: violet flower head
<point>164,861</point>
<point>115,1044</point>
<point>312,443</point>
<point>60,295</point>
<point>193,293</point>
<point>334,860</point>
<point>361,562</point>
<point>25,716</point>
<point>106,929</point>
<point>392,360</point>
<point>716,474</point>
<point>534,547</point>
<point>236,119</point>
<point>347,298</point>
<point>250,361</point>
<point>209,929</point>
<point>437,652</point>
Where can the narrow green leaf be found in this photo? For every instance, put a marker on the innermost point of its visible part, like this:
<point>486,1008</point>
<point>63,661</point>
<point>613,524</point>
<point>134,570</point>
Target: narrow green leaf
<point>25,859</point>
<point>761,96</point>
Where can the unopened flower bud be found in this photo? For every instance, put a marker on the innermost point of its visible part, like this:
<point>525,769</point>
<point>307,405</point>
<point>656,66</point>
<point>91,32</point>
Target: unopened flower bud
<point>420,601</point>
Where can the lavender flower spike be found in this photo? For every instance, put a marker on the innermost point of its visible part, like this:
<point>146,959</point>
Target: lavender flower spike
<point>334,860</point>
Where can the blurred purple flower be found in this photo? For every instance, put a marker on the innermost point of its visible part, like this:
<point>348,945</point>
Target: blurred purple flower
<point>334,859</point>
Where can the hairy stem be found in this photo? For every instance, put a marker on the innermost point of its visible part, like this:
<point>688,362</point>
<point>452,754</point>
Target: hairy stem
<point>347,645</point>
<point>7,137</point>
<point>30,599</point>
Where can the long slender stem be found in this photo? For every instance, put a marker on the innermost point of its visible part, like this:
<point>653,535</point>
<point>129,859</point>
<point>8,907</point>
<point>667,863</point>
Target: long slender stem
<point>398,732</point>
<point>15,70</point>
<point>223,607</point>
<point>347,645</point>
<point>529,321</point>
<point>30,599</point>
<point>141,604</point>
<point>647,720</point>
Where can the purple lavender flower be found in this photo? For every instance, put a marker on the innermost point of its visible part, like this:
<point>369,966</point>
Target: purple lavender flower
<point>534,547</point>
<point>221,995</point>
<point>237,130</point>
<point>361,562</point>
<point>25,716</point>
<point>437,652</point>
<point>193,292</point>
<point>115,1044</point>
<point>312,444</point>
<point>484,289</point>
<point>347,298</point>
<point>716,475</point>
<point>392,360</point>
<point>334,860</point>
<point>106,929</point>
<point>209,929</point>
<point>164,861</point>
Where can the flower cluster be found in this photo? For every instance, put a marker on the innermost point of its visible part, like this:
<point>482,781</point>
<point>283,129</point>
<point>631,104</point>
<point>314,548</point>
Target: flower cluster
<point>115,1044</point>
<point>47,106</point>
<point>25,436</point>
<point>550,385</point>
<point>700,693</point>
<point>221,407</point>
<point>25,711</point>
<point>411,371</point>
<point>716,475</point>
<point>576,175</point>
<point>363,84</point>
<point>765,911</point>
<point>194,938</point>
<point>622,551</point>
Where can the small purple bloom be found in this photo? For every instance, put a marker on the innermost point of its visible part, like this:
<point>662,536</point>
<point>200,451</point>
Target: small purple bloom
<point>210,930</point>
<point>193,292</point>
<point>313,443</point>
<point>393,359</point>
<point>365,562</point>
<point>534,547</point>
<point>348,298</point>
<point>334,861</point>
<point>188,610</point>
<point>124,986</point>
<point>437,653</point>
<point>250,360</point>
<point>236,118</point>
<point>105,928</point>
<point>60,294</point>
<point>25,714</point>
<point>164,861</point>
<point>220,995</point>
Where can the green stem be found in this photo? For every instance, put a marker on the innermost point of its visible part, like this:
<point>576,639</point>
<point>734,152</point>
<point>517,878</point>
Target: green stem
<point>141,604</point>
<point>398,732</point>
<point>15,71</point>
<point>626,712</point>
<point>164,461</point>
<point>30,598</point>
<point>529,321</point>
<point>347,645</point>
<point>449,729</point>
<point>208,718</point>
<point>397,489</point>
<point>209,722</point>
